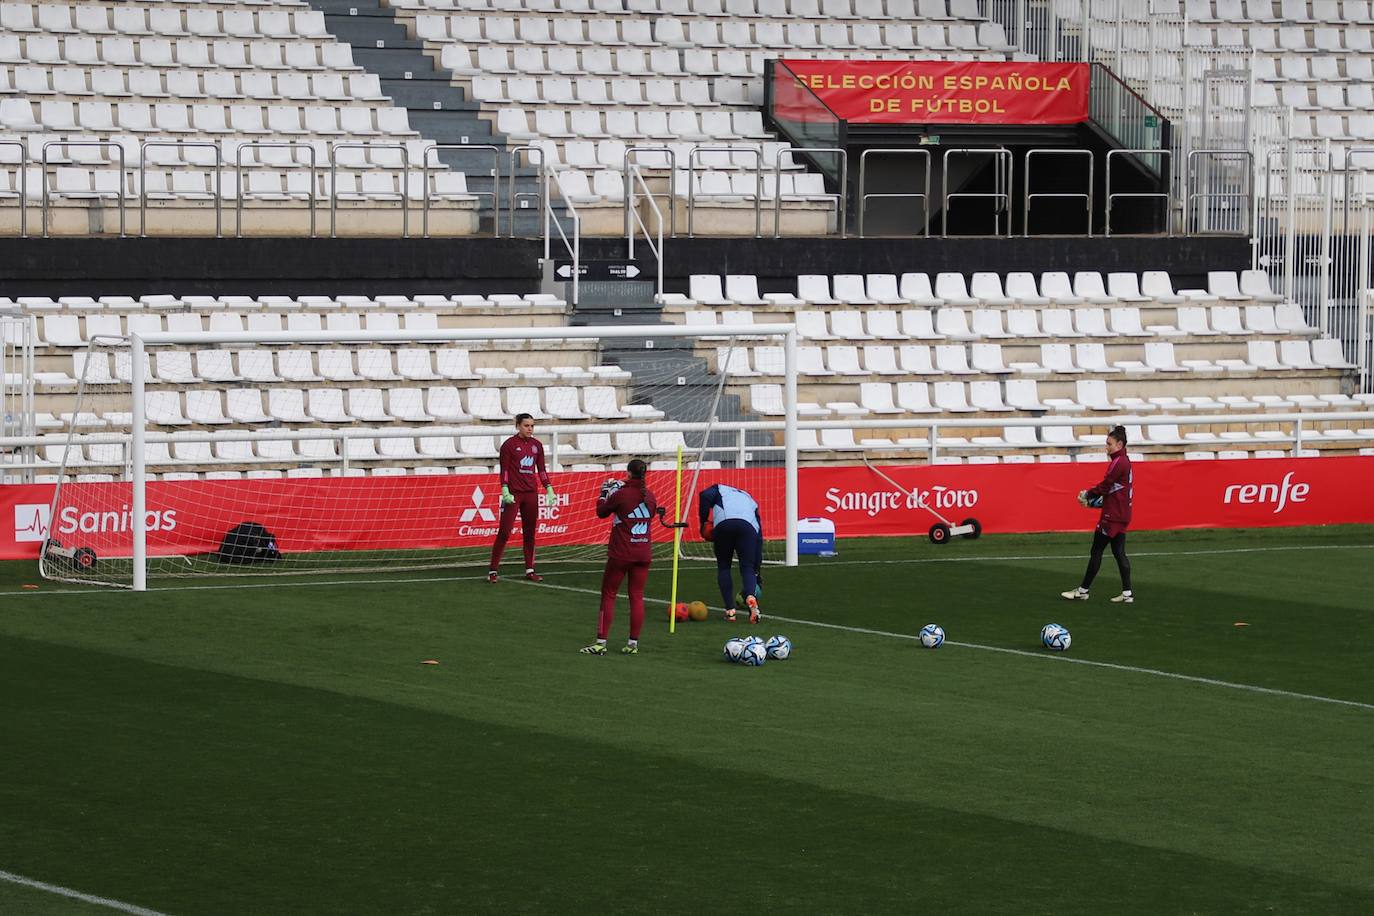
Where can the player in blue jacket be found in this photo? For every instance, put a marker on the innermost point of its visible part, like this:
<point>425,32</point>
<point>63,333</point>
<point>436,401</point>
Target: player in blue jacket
<point>730,520</point>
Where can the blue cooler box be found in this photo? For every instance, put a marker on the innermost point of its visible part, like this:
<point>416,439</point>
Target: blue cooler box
<point>816,536</point>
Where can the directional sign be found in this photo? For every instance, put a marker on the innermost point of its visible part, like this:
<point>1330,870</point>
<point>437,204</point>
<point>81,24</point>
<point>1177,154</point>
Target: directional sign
<point>601,270</point>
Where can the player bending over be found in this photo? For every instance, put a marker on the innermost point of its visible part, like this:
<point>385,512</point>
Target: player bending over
<point>522,474</point>
<point>730,520</point>
<point>631,506</point>
<point>1114,495</point>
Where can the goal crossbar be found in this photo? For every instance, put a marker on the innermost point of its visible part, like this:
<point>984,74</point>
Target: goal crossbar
<point>138,343</point>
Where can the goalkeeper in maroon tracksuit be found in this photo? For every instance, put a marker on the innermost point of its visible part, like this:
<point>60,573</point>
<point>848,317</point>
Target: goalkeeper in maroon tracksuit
<point>631,506</point>
<point>522,474</point>
<point>1114,494</point>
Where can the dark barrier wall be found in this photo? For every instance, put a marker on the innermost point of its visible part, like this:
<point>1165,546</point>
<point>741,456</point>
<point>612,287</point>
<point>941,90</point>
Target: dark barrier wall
<point>777,262</point>
<point>258,266</point>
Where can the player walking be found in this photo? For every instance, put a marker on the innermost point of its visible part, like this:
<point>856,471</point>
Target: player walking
<point>522,474</point>
<point>730,520</point>
<point>631,506</point>
<point>1115,495</point>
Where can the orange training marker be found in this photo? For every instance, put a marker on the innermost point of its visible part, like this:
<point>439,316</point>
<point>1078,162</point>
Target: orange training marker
<point>28,586</point>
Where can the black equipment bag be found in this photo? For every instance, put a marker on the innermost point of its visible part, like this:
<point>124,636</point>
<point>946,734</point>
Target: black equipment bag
<point>248,542</point>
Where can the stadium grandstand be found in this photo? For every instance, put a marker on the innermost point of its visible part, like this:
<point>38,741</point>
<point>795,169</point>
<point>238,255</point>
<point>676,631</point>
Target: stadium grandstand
<point>356,356</point>
<point>998,228</point>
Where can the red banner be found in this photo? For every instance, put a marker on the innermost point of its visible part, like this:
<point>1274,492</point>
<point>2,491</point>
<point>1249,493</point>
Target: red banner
<point>381,513</point>
<point>938,92</point>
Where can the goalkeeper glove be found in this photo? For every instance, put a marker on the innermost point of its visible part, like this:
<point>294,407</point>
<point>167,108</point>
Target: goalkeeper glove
<point>506,497</point>
<point>548,495</point>
<point>610,487</point>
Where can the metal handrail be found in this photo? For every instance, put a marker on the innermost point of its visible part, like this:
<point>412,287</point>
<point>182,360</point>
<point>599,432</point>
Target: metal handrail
<point>238,177</point>
<point>511,194</point>
<point>672,170</point>
<point>334,185</point>
<point>575,246</point>
<point>892,195</point>
<point>143,184</point>
<point>494,193</point>
<point>1028,197</point>
<point>1159,195</point>
<point>633,174</point>
<point>23,185</point>
<point>69,144</point>
<point>1002,165</point>
<point>841,197</point>
<point>758,184</point>
<point>1245,196</point>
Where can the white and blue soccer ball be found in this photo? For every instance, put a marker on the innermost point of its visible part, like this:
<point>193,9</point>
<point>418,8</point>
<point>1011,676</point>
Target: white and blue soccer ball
<point>1055,637</point>
<point>754,653</point>
<point>779,647</point>
<point>932,636</point>
<point>734,649</point>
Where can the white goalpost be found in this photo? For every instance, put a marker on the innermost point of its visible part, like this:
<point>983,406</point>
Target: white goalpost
<point>394,467</point>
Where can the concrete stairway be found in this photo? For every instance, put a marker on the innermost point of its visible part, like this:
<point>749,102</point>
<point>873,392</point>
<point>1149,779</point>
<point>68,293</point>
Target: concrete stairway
<point>436,108</point>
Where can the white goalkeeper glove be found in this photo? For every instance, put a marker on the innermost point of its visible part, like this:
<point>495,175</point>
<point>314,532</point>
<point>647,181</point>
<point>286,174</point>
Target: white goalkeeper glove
<point>610,487</point>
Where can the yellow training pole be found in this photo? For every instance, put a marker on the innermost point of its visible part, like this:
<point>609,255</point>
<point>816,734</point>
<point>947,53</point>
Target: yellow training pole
<point>677,539</point>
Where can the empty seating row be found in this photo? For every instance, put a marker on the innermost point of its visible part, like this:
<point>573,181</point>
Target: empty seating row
<point>436,404</point>
<point>983,288</point>
<point>610,154</point>
<point>281,304</point>
<point>1291,38</point>
<point>608,31</point>
<point>1213,11</point>
<point>1066,359</point>
<point>18,114</point>
<point>1331,97</point>
<point>593,90</point>
<point>264,365</point>
<point>257,184</point>
<point>146,82</point>
<point>888,399</point>
<point>538,60</point>
<point>228,152</point>
<point>739,9</point>
<point>201,21</point>
<point>223,53</point>
<point>677,126</point>
<point>73,329</point>
<point>949,323</point>
<point>1318,68</point>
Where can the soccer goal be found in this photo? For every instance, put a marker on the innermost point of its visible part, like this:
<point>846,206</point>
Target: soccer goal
<point>292,453</point>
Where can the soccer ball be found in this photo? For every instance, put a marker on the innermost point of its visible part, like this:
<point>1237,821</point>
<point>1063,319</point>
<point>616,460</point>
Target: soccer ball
<point>1055,637</point>
<point>698,611</point>
<point>681,611</point>
<point>754,653</point>
<point>932,636</point>
<point>734,649</point>
<point>779,647</point>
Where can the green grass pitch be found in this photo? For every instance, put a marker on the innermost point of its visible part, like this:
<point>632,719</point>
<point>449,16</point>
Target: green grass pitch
<point>279,749</point>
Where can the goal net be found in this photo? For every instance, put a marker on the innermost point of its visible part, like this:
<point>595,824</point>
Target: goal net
<point>290,453</point>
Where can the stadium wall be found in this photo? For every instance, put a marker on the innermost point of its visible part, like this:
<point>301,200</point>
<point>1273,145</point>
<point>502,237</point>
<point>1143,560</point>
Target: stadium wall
<point>297,266</point>
<point>377,513</point>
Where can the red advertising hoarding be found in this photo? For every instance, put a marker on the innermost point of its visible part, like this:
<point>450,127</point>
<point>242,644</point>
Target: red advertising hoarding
<point>938,92</point>
<point>379,513</point>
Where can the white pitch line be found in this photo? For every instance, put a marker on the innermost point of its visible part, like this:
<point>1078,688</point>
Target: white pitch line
<point>323,583</point>
<point>1153,672</point>
<point>77,895</point>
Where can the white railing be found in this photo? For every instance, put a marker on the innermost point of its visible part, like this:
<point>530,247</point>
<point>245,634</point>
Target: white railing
<point>634,178</point>
<point>573,247</point>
